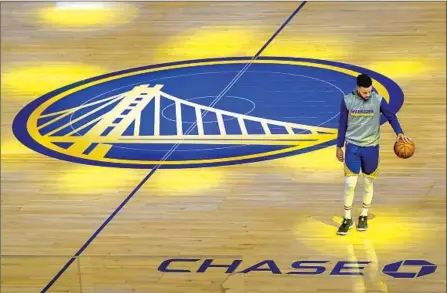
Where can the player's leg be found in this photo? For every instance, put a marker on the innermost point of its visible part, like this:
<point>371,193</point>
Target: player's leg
<point>370,168</point>
<point>352,168</point>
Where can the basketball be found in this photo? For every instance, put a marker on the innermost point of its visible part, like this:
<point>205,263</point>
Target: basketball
<point>404,150</point>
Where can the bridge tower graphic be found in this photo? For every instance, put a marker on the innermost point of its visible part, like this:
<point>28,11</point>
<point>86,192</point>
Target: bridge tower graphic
<point>96,131</point>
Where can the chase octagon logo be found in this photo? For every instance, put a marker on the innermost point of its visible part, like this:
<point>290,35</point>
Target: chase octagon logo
<point>171,115</point>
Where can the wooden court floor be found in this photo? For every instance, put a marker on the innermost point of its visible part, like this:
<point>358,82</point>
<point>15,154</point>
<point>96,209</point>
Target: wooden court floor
<point>274,212</point>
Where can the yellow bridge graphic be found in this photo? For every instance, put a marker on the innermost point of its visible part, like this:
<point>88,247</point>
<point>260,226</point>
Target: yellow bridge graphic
<point>109,127</point>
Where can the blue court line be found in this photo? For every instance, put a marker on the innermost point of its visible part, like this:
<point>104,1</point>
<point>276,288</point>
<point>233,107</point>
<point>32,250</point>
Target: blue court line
<point>280,28</point>
<point>149,175</point>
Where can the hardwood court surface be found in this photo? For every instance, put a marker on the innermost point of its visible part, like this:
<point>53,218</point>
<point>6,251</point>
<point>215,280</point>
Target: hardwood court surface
<point>283,210</point>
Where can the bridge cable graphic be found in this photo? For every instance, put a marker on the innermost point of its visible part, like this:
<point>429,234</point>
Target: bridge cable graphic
<point>109,127</point>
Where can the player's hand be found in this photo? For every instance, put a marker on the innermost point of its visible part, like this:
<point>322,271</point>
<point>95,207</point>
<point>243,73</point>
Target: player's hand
<point>403,137</point>
<point>340,155</point>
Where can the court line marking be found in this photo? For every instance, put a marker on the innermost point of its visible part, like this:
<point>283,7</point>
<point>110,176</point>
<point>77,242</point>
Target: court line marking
<point>149,175</point>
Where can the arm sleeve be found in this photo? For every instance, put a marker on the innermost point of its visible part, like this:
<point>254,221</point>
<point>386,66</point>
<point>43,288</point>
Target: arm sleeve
<point>342,124</point>
<point>391,117</point>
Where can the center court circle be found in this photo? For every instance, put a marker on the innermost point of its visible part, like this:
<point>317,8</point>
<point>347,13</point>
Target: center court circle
<point>109,121</point>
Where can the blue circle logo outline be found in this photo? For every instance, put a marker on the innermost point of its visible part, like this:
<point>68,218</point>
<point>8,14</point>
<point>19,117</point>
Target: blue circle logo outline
<point>21,132</point>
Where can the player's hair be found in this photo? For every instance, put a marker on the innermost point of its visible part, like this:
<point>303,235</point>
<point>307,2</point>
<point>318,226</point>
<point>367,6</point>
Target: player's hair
<point>364,80</point>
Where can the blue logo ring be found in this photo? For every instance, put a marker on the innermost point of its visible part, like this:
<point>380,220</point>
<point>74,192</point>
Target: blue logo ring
<point>272,82</point>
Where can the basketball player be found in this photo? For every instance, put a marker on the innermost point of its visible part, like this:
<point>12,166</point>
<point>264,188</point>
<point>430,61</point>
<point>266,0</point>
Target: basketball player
<point>359,126</point>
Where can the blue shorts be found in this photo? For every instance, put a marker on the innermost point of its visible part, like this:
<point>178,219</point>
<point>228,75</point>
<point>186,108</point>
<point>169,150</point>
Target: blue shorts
<point>364,159</point>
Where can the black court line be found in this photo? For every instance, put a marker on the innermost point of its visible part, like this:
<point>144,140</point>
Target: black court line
<point>149,175</point>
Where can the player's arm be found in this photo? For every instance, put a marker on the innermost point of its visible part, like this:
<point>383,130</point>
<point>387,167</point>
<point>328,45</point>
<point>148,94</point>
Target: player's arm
<point>342,126</point>
<point>392,119</point>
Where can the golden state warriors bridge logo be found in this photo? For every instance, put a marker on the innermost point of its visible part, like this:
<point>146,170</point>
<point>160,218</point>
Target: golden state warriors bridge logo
<point>164,115</point>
